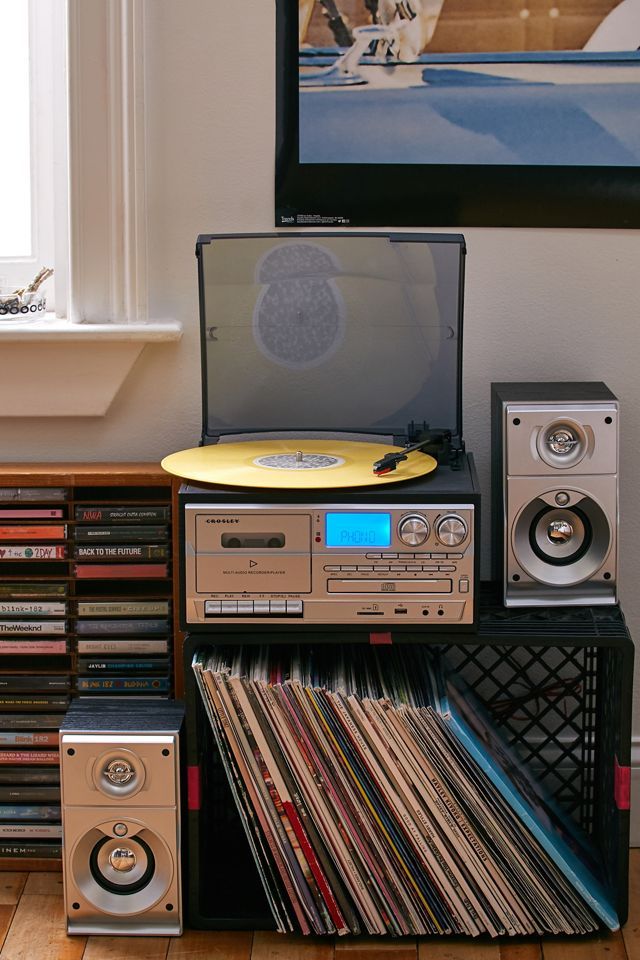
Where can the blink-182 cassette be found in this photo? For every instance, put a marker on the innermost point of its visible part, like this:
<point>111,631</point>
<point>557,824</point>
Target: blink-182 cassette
<point>331,486</point>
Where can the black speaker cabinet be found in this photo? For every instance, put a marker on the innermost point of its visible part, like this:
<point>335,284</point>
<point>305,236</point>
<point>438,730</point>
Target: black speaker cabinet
<point>555,493</point>
<point>120,779</point>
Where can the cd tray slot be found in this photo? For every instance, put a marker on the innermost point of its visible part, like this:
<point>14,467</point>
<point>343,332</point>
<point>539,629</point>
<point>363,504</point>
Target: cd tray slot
<point>390,586</point>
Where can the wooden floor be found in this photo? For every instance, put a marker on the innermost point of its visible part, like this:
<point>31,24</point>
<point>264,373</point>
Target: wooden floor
<point>32,927</point>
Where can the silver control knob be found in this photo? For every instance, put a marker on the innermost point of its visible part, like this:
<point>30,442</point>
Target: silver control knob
<point>119,771</point>
<point>122,859</point>
<point>451,530</point>
<point>413,530</point>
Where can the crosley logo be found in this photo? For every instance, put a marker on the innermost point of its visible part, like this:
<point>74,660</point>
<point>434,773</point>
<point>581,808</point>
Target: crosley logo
<point>214,520</point>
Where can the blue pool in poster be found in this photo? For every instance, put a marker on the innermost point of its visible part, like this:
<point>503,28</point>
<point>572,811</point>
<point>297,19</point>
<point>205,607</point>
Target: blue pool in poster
<point>542,108</point>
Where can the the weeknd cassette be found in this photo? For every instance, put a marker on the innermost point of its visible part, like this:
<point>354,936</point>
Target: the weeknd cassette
<point>331,485</point>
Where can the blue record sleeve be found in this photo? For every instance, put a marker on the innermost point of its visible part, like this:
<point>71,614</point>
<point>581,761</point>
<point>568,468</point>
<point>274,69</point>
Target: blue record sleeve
<point>557,834</point>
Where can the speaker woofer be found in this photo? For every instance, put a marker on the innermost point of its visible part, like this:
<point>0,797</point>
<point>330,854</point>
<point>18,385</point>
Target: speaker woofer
<point>560,536</point>
<point>122,866</point>
<point>95,861</point>
<point>561,546</point>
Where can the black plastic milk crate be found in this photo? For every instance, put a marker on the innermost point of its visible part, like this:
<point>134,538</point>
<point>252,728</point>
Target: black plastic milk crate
<point>558,683</point>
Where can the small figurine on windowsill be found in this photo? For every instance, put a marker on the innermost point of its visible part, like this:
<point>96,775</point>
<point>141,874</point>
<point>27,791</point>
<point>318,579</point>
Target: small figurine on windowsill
<point>25,300</point>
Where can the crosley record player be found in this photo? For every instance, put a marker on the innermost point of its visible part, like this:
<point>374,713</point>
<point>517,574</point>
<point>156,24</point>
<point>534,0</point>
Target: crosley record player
<point>331,485</point>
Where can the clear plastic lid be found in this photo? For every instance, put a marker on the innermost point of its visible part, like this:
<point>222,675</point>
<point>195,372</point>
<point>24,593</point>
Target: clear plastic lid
<point>337,332</point>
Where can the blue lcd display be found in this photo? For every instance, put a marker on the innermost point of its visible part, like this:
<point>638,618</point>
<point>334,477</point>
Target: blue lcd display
<point>358,529</point>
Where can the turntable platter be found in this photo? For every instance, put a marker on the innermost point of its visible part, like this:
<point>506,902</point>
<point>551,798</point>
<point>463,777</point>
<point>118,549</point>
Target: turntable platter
<point>294,464</point>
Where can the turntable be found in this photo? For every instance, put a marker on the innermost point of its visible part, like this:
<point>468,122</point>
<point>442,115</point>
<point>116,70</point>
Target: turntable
<point>331,486</point>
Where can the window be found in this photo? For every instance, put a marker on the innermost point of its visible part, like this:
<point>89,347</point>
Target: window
<point>33,161</point>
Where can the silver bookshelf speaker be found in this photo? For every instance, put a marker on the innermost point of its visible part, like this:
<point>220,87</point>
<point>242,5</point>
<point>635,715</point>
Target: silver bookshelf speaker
<point>121,820</point>
<point>555,493</point>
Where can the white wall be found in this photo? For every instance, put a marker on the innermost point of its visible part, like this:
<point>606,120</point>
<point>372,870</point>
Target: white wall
<point>540,304</point>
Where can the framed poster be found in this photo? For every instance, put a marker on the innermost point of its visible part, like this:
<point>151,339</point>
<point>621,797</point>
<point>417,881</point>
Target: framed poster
<point>458,113</point>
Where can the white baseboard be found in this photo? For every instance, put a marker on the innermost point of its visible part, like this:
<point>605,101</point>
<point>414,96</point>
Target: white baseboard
<point>634,837</point>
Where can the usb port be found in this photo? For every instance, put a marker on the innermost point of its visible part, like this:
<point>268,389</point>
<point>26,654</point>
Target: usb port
<point>400,610</point>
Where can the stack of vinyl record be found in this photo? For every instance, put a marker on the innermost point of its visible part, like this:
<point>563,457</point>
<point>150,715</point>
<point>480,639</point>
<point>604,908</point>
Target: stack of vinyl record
<point>377,798</point>
<point>123,637</point>
<point>34,682</point>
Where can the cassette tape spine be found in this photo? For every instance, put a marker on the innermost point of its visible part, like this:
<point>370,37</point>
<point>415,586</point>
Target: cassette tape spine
<point>42,597</point>
<point>18,794</point>
<point>29,851</point>
<point>117,546</point>
<point>33,551</point>
<point>122,645</point>
<point>124,684</point>
<point>34,660</point>
<point>28,738</point>
<point>150,513</point>
<point>52,531</point>
<point>97,666</point>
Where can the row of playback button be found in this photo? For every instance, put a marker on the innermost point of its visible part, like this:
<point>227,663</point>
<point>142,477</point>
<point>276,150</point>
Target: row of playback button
<point>414,556</point>
<point>243,608</point>
<point>391,567</point>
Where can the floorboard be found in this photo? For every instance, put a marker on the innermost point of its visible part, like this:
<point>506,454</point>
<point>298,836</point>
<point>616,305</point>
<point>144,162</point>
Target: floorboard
<point>452,948</point>
<point>211,945</point>
<point>37,931</point>
<point>367,948</point>
<point>631,929</point>
<point>11,887</point>
<point>126,948</point>
<point>44,884</point>
<point>520,951</point>
<point>33,925</point>
<point>610,947</point>
<point>268,945</point>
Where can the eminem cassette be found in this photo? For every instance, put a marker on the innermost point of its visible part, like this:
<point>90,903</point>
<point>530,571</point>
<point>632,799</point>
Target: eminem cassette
<point>331,485</point>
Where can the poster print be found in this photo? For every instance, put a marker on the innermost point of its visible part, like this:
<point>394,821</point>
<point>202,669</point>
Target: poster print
<point>458,113</point>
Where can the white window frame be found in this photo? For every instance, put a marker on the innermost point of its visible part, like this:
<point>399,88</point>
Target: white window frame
<point>107,323</point>
<point>90,176</point>
<point>107,192</point>
<point>48,149</point>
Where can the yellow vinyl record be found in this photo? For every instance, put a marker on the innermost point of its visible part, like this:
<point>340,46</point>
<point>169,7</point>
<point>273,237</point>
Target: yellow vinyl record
<point>294,464</point>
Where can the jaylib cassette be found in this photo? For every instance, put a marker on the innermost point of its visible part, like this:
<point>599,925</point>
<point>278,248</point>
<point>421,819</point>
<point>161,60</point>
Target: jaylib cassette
<point>332,486</point>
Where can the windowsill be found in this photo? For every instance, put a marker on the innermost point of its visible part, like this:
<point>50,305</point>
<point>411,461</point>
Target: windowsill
<point>54,368</point>
<point>48,329</point>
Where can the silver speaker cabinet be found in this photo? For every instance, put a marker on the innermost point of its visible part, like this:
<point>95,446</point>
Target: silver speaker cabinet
<point>120,783</point>
<point>555,493</point>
